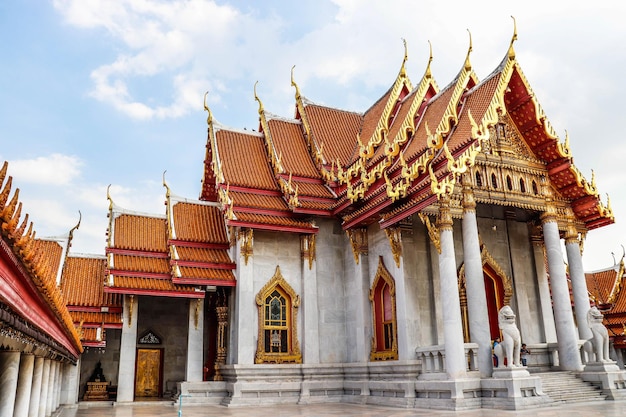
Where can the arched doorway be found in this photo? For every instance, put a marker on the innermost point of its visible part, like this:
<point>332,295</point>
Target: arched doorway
<point>498,291</point>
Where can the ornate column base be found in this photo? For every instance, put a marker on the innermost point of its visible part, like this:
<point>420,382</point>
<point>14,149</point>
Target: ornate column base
<point>608,376</point>
<point>513,389</point>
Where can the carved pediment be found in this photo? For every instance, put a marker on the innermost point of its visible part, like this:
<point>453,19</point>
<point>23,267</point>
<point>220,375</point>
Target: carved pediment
<point>149,338</point>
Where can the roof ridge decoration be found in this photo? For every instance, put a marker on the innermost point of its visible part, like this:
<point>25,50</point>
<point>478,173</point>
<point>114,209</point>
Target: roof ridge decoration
<point>24,248</point>
<point>419,165</point>
<point>480,133</point>
<point>619,280</point>
<point>316,152</point>
<point>366,151</point>
<point>275,159</point>
<point>70,237</point>
<point>171,233</point>
<point>216,165</point>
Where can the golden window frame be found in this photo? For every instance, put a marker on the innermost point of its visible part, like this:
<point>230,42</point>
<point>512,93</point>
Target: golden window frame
<point>293,354</point>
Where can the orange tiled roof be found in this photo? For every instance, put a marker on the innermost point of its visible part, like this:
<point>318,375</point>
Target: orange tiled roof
<point>199,223</point>
<point>261,201</point>
<point>207,273</point>
<point>245,153</point>
<point>203,254</point>
<point>82,283</point>
<point>140,264</point>
<point>600,284</point>
<point>336,129</point>
<point>141,233</point>
<point>292,148</point>
<point>157,286</point>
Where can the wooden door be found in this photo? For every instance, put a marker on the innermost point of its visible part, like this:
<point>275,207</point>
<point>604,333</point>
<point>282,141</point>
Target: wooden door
<point>148,375</point>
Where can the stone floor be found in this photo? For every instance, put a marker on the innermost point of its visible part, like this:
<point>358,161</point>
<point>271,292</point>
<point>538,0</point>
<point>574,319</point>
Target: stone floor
<point>597,409</point>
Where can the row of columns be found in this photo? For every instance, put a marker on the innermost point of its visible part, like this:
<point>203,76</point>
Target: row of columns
<point>567,334</point>
<point>30,386</point>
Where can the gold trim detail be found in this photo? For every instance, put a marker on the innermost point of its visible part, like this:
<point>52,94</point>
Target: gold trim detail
<point>246,247</point>
<point>307,248</point>
<point>383,274</point>
<point>358,242</point>
<point>394,235</point>
<point>293,354</point>
<point>433,231</point>
<point>131,302</point>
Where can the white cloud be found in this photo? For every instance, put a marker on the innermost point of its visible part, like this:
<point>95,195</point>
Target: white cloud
<point>55,169</point>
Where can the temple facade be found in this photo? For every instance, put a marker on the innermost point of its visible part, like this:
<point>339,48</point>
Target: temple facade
<point>367,257</point>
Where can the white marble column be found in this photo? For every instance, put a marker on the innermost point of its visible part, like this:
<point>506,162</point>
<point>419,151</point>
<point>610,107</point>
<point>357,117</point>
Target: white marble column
<point>9,371</point>
<point>569,356</point>
<point>579,283</point>
<point>361,347</point>
<point>24,385</point>
<point>475,283</point>
<point>543,286</point>
<point>57,385</point>
<point>195,338</point>
<point>244,320</point>
<point>69,385</point>
<point>50,386</point>
<point>128,350</point>
<point>310,335</point>
<point>35,392</point>
<point>451,305</point>
<point>45,382</point>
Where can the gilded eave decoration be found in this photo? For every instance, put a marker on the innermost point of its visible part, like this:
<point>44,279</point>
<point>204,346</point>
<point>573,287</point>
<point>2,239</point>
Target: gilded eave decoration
<point>307,248</point>
<point>433,231</point>
<point>246,238</point>
<point>358,242</point>
<point>394,235</point>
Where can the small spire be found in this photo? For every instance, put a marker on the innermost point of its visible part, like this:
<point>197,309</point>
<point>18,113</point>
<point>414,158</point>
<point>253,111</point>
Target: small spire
<point>406,57</point>
<point>513,39</point>
<point>428,73</point>
<point>468,65</point>
<point>256,97</point>
<point>109,197</point>
<point>293,83</point>
<point>167,188</point>
<point>209,118</point>
<point>71,234</point>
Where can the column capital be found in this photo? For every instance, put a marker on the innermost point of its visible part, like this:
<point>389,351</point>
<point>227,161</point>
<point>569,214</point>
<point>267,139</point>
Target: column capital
<point>469,204</point>
<point>444,221</point>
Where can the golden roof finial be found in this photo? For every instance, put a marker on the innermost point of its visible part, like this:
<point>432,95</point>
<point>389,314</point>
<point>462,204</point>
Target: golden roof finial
<point>258,99</point>
<point>167,188</point>
<point>209,118</point>
<point>428,73</point>
<point>468,65</point>
<point>109,197</point>
<point>71,234</point>
<point>513,39</point>
<point>293,83</point>
<point>406,57</point>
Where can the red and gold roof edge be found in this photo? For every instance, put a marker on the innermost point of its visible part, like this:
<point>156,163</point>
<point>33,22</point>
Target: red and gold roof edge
<point>23,246</point>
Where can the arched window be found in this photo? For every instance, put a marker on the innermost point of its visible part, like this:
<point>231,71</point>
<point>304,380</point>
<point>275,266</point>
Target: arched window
<point>535,189</point>
<point>522,185</point>
<point>509,183</point>
<point>479,179</point>
<point>277,305</point>
<point>494,181</point>
<point>383,298</point>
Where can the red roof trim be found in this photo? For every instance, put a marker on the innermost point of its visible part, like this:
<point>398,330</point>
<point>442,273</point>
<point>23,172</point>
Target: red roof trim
<point>196,281</point>
<point>98,309</point>
<point>207,265</point>
<point>138,274</point>
<point>201,245</point>
<point>146,254</point>
<point>250,190</point>
<point>156,293</point>
<point>405,213</point>
<point>302,179</point>
<point>274,228</point>
<point>269,212</point>
<point>316,212</point>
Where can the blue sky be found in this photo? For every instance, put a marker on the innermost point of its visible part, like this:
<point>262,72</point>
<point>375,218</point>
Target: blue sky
<point>97,92</point>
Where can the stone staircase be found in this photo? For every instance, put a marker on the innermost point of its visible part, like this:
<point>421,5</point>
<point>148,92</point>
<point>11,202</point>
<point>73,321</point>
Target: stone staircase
<point>566,387</point>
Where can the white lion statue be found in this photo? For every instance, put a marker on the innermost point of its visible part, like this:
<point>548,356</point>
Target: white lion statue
<point>599,343</point>
<point>511,340</point>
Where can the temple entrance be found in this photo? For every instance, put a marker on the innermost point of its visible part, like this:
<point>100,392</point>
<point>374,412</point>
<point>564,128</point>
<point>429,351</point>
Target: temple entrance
<point>498,291</point>
<point>149,373</point>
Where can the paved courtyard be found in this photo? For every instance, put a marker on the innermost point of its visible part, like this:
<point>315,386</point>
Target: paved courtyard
<point>596,409</point>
